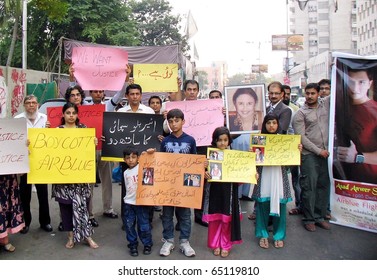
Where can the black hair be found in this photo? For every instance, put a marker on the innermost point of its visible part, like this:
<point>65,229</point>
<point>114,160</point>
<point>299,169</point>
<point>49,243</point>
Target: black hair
<point>267,118</point>
<point>324,81</point>
<point>190,82</point>
<point>175,113</point>
<point>248,91</point>
<point>65,108</point>
<point>218,132</point>
<point>286,87</point>
<point>134,86</point>
<point>130,150</point>
<point>275,83</point>
<point>312,85</point>
<point>69,90</point>
<point>215,90</point>
<point>154,97</point>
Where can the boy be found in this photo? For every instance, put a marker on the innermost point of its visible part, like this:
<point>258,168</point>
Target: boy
<point>132,213</point>
<point>177,142</point>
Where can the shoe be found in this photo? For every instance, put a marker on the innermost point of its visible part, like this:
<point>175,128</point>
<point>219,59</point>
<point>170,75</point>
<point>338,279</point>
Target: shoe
<point>134,252</point>
<point>323,224</point>
<point>328,217</point>
<point>177,227</point>
<point>186,249</point>
<point>166,248</point>
<point>246,198</point>
<point>200,222</point>
<point>47,228</point>
<point>60,227</point>
<point>111,215</point>
<point>91,243</point>
<point>25,230</point>
<point>96,185</point>
<point>9,248</point>
<point>252,216</point>
<point>310,227</point>
<point>157,208</point>
<point>295,211</point>
<point>93,222</point>
<point>147,250</point>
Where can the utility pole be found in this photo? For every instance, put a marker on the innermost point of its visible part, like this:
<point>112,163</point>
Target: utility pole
<point>24,34</point>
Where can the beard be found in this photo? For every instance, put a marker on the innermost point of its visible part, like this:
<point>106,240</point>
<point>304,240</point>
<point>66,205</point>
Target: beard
<point>286,101</point>
<point>31,116</point>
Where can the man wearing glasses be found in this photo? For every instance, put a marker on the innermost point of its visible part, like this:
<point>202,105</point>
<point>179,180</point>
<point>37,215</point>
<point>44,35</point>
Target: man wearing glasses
<point>34,119</point>
<point>324,87</point>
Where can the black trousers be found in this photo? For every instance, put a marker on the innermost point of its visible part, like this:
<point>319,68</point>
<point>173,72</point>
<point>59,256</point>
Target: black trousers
<point>42,193</point>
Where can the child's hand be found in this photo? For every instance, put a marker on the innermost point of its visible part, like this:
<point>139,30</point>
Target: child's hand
<point>160,138</point>
<point>206,163</point>
<point>48,124</point>
<point>151,150</point>
<point>95,141</point>
<point>207,175</point>
<point>300,147</point>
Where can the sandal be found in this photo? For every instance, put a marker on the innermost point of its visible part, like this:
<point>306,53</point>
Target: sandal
<point>295,211</point>
<point>224,253</point>
<point>9,247</point>
<point>91,243</point>
<point>263,243</point>
<point>278,244</point>
<point>252,216</point>
<point>216,252</point>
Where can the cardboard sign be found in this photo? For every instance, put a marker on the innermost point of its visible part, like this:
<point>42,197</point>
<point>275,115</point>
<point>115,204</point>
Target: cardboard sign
<point>156,77</point>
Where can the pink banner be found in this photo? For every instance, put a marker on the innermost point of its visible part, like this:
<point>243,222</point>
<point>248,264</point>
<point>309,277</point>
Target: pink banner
<point>202,117</point>
<point>100,68</point>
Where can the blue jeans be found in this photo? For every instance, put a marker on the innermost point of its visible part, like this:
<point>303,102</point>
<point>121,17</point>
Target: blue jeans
<point>184,220</point>
<point>133,214</point>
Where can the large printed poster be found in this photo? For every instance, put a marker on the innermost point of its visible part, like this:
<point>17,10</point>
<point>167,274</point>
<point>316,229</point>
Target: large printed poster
<point>354,142</point>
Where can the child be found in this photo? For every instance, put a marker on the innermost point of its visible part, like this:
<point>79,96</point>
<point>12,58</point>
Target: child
<point>221,206</point>
<point>272,193</point>
<point>132,213</point>
<point>74,198</point>
<point>176,142</point>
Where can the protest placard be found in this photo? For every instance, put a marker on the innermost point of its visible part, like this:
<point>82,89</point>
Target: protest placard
<point>13,150</point>
<point>129,129</point>
<point>156,77</point>
<point>62,155</point>
<point>174,180</point>
<point>100,68</point>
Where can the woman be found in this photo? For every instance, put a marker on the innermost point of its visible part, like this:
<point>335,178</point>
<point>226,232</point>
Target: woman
<point>244,100</point>
<point>74,198</point>
<point>11,220</point>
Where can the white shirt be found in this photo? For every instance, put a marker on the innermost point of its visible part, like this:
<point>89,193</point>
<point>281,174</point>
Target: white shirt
<point>39,122</point>
<point>130,182</point>
<point>142,109</point>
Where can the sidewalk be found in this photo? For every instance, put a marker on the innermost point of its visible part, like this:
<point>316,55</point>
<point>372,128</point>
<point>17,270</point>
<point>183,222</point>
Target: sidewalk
<point>339,243</point>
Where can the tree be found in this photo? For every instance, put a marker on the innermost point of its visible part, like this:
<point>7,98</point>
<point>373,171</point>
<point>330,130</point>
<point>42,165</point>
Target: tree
<point>202,80</point>
<point>237,79</point>
<point>156,24</point>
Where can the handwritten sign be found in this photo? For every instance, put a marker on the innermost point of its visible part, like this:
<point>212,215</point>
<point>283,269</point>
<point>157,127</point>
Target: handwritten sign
<point>3,98</point>
<point>231,166</point>
<point>62,155</point>
<point>177,180</point>
<point>156,77</point>
<point>276,149</point>
<point>90,115</point>
<point>100,68</point>
<point>202,117</point>
<point>129,129</point>
<point>13,150</point>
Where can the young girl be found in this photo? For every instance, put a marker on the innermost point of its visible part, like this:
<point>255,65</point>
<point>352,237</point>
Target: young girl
<point>74,198</point>
<point>221,206</point>
<point>272,193</point>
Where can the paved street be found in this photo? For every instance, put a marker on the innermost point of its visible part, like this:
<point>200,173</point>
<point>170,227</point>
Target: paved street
<point>340,243</point>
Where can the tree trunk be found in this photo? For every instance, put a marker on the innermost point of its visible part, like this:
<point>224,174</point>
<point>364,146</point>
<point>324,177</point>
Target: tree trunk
<point>13,43</point>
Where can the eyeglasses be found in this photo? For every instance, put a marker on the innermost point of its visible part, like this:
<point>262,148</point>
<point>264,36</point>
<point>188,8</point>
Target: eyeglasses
<point>31,103</point>
<point>324,88</point>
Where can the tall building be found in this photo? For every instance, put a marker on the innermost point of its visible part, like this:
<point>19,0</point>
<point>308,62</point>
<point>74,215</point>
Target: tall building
<point>366,23</point>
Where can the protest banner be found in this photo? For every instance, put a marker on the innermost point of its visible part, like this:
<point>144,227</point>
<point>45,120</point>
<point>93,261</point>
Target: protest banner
<point>231,166</point>
<point>129,129</point>
<point>202,117</point>
<point>174,180</point>
<point>276,149</point>
<point>90,115</point>
<point>156,77</point>
<point>62,156</point>
<point>353,142</point>
<point>3,97</point>
<point>100,68</point>
<point>13,150</point>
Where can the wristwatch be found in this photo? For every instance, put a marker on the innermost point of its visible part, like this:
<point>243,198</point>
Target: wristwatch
<point>359,158</point>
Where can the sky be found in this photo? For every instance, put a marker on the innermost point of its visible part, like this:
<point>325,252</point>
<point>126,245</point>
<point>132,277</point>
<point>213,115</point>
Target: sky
<point>232,31</point>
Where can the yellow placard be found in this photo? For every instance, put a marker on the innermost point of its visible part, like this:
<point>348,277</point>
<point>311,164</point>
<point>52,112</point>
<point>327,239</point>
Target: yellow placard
<point>231,166</point>
<point>62,155</point>
<point>171,179</point>
<point>276,149</point>
<point>156,77</point>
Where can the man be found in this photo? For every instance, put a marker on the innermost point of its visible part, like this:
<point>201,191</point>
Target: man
<point>311,122</point>
<point>360,156</point>
<point>324,87</point>
<point>287,99</point>
<point>34,119</point>
<point>188,181</point>
<point>155,103</point>
<point>215,94</point>
<point>282,111</point>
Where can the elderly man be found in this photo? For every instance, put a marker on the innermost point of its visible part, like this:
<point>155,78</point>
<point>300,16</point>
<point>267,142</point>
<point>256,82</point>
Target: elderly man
<point>34,119</point>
